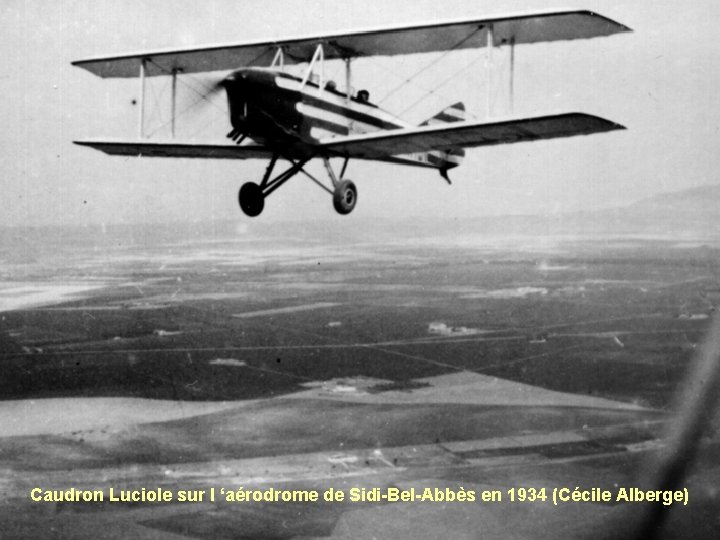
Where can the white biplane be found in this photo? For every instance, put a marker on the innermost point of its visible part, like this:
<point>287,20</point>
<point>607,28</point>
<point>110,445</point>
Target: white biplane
<point>276,115</point>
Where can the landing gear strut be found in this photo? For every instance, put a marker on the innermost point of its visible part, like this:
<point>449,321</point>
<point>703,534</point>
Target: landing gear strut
<point>252,196</point>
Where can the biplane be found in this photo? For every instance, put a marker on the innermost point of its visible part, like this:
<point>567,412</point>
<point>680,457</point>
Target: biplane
<point>276,115</point>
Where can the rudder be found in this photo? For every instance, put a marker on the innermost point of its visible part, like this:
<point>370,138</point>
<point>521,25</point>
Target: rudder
<point>447,158</point>
<point>453,113</point>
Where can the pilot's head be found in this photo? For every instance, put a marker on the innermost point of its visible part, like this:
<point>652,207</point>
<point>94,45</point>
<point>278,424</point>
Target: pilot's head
<point>363,96</point>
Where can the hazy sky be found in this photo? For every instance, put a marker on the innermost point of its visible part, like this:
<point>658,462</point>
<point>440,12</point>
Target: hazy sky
<point>661,82</point>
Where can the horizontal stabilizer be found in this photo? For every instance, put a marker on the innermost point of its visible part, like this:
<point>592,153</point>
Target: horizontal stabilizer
<point>453,113</point>
<point>381,145</point>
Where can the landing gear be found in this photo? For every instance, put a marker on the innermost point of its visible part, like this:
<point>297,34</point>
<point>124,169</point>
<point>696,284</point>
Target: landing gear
<point>344,191</point>
<point>252,196</point>
<point>344,197</point>
<point>251,199</point>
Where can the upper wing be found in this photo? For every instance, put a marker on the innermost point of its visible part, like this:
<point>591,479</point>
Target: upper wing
<point>388,41</point>
<point>383,144</point>
<point>177,149</point>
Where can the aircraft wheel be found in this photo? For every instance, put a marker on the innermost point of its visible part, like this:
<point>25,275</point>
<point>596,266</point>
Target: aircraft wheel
<point>251,199</point>
<point>345,197</point>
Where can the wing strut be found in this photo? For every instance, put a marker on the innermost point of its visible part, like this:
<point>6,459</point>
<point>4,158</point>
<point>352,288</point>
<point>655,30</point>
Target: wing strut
<point>512,75</point>
<point>511,41</point>
<point>173,100</point>
<point>348,84</point>
<point>318,57</point>
<point>279,59</point>
<point>141,117</point>
<point>489,66</point>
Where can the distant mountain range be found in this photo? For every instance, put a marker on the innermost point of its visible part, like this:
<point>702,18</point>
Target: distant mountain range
<point>692,213</point>
<point>689,214</point>
<point>703,199</point>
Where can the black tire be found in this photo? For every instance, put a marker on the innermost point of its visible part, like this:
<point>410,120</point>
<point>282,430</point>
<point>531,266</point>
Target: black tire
<point>345,197</point>
<point>251,199</point>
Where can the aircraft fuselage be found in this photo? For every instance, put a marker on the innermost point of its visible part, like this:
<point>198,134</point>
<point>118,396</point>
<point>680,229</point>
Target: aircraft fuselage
<point>275,108</point>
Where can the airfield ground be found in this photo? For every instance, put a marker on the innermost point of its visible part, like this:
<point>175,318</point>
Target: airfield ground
<point>279,361</point>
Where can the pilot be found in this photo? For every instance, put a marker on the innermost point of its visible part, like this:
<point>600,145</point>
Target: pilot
<point>331,85</point>
<point>363,96</point>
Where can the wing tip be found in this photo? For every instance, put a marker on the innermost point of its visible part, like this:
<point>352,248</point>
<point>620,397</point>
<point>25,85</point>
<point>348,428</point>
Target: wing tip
<point>81,64</point>
<point>621,28</point>
<point>87,66</point>
<point>609,125</point>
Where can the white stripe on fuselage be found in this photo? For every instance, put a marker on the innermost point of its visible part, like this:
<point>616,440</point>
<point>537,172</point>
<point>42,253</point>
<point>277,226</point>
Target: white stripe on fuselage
<point>459,114</point>
<point>330,97</point>
<point>355,126</point>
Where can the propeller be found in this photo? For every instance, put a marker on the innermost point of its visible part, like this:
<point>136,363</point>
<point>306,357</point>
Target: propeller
<point>201,92</point>
<point>206,89</point>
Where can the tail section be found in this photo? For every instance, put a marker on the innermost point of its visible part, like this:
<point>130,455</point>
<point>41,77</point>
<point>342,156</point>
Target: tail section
<point>453,113</point>
<point>447,158</point>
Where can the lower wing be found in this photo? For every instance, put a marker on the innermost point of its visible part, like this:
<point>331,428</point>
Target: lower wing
<point>381,145</point>
<point>172,149</point>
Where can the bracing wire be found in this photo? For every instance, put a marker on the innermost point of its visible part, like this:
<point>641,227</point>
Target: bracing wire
<point>416,85</point>
<point>428,66</point>
<point>185,111</point>
<point>156,99</point>
<point>203,93</point>
<point>440,85</point>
